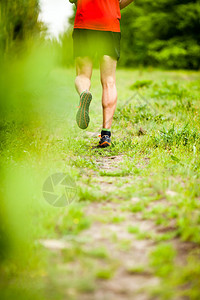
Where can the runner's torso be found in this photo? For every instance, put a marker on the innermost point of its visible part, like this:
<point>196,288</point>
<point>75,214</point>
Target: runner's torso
<point>98,15</point>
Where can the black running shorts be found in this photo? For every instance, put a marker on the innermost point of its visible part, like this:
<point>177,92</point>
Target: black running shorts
<point>94,42</point>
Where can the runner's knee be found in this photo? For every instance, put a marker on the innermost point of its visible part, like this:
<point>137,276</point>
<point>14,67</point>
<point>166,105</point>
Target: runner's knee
<point>82,78</point>
<point>108,82</point>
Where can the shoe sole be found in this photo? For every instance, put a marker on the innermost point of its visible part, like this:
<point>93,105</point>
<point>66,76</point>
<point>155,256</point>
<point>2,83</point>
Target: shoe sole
<point>82,116</point>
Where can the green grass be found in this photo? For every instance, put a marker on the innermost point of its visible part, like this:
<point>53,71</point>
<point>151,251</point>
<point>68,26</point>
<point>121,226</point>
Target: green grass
<point>156,134</point>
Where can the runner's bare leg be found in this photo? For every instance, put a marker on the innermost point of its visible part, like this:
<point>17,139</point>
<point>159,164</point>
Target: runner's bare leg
<point>109,94</point>
<point>83,74</point>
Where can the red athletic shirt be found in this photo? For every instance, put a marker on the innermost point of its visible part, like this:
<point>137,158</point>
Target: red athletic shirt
<point>98,15</point>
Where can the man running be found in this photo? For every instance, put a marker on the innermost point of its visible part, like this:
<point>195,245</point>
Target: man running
<point>97,32</point>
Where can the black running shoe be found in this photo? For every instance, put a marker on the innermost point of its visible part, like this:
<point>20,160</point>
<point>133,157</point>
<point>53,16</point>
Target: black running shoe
<point>105,141</point>
<point>82,116</point>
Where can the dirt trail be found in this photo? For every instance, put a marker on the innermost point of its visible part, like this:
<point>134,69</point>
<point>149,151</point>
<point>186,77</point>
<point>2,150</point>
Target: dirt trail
<point>128,256</point>
<point>124,283</point>
<point>128,282</point>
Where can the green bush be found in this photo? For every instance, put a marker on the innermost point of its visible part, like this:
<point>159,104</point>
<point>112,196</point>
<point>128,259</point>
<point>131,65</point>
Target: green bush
<point>164,33</point>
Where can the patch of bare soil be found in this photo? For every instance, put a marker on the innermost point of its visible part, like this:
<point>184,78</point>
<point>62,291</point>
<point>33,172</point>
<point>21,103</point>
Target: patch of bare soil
<point>110,163</point>
<point>125,248</point>
<point>132,278</point>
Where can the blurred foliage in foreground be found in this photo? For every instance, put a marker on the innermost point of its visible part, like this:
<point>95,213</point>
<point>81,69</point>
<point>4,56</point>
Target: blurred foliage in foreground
<point>162,33</point>
<point>27,100</point>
